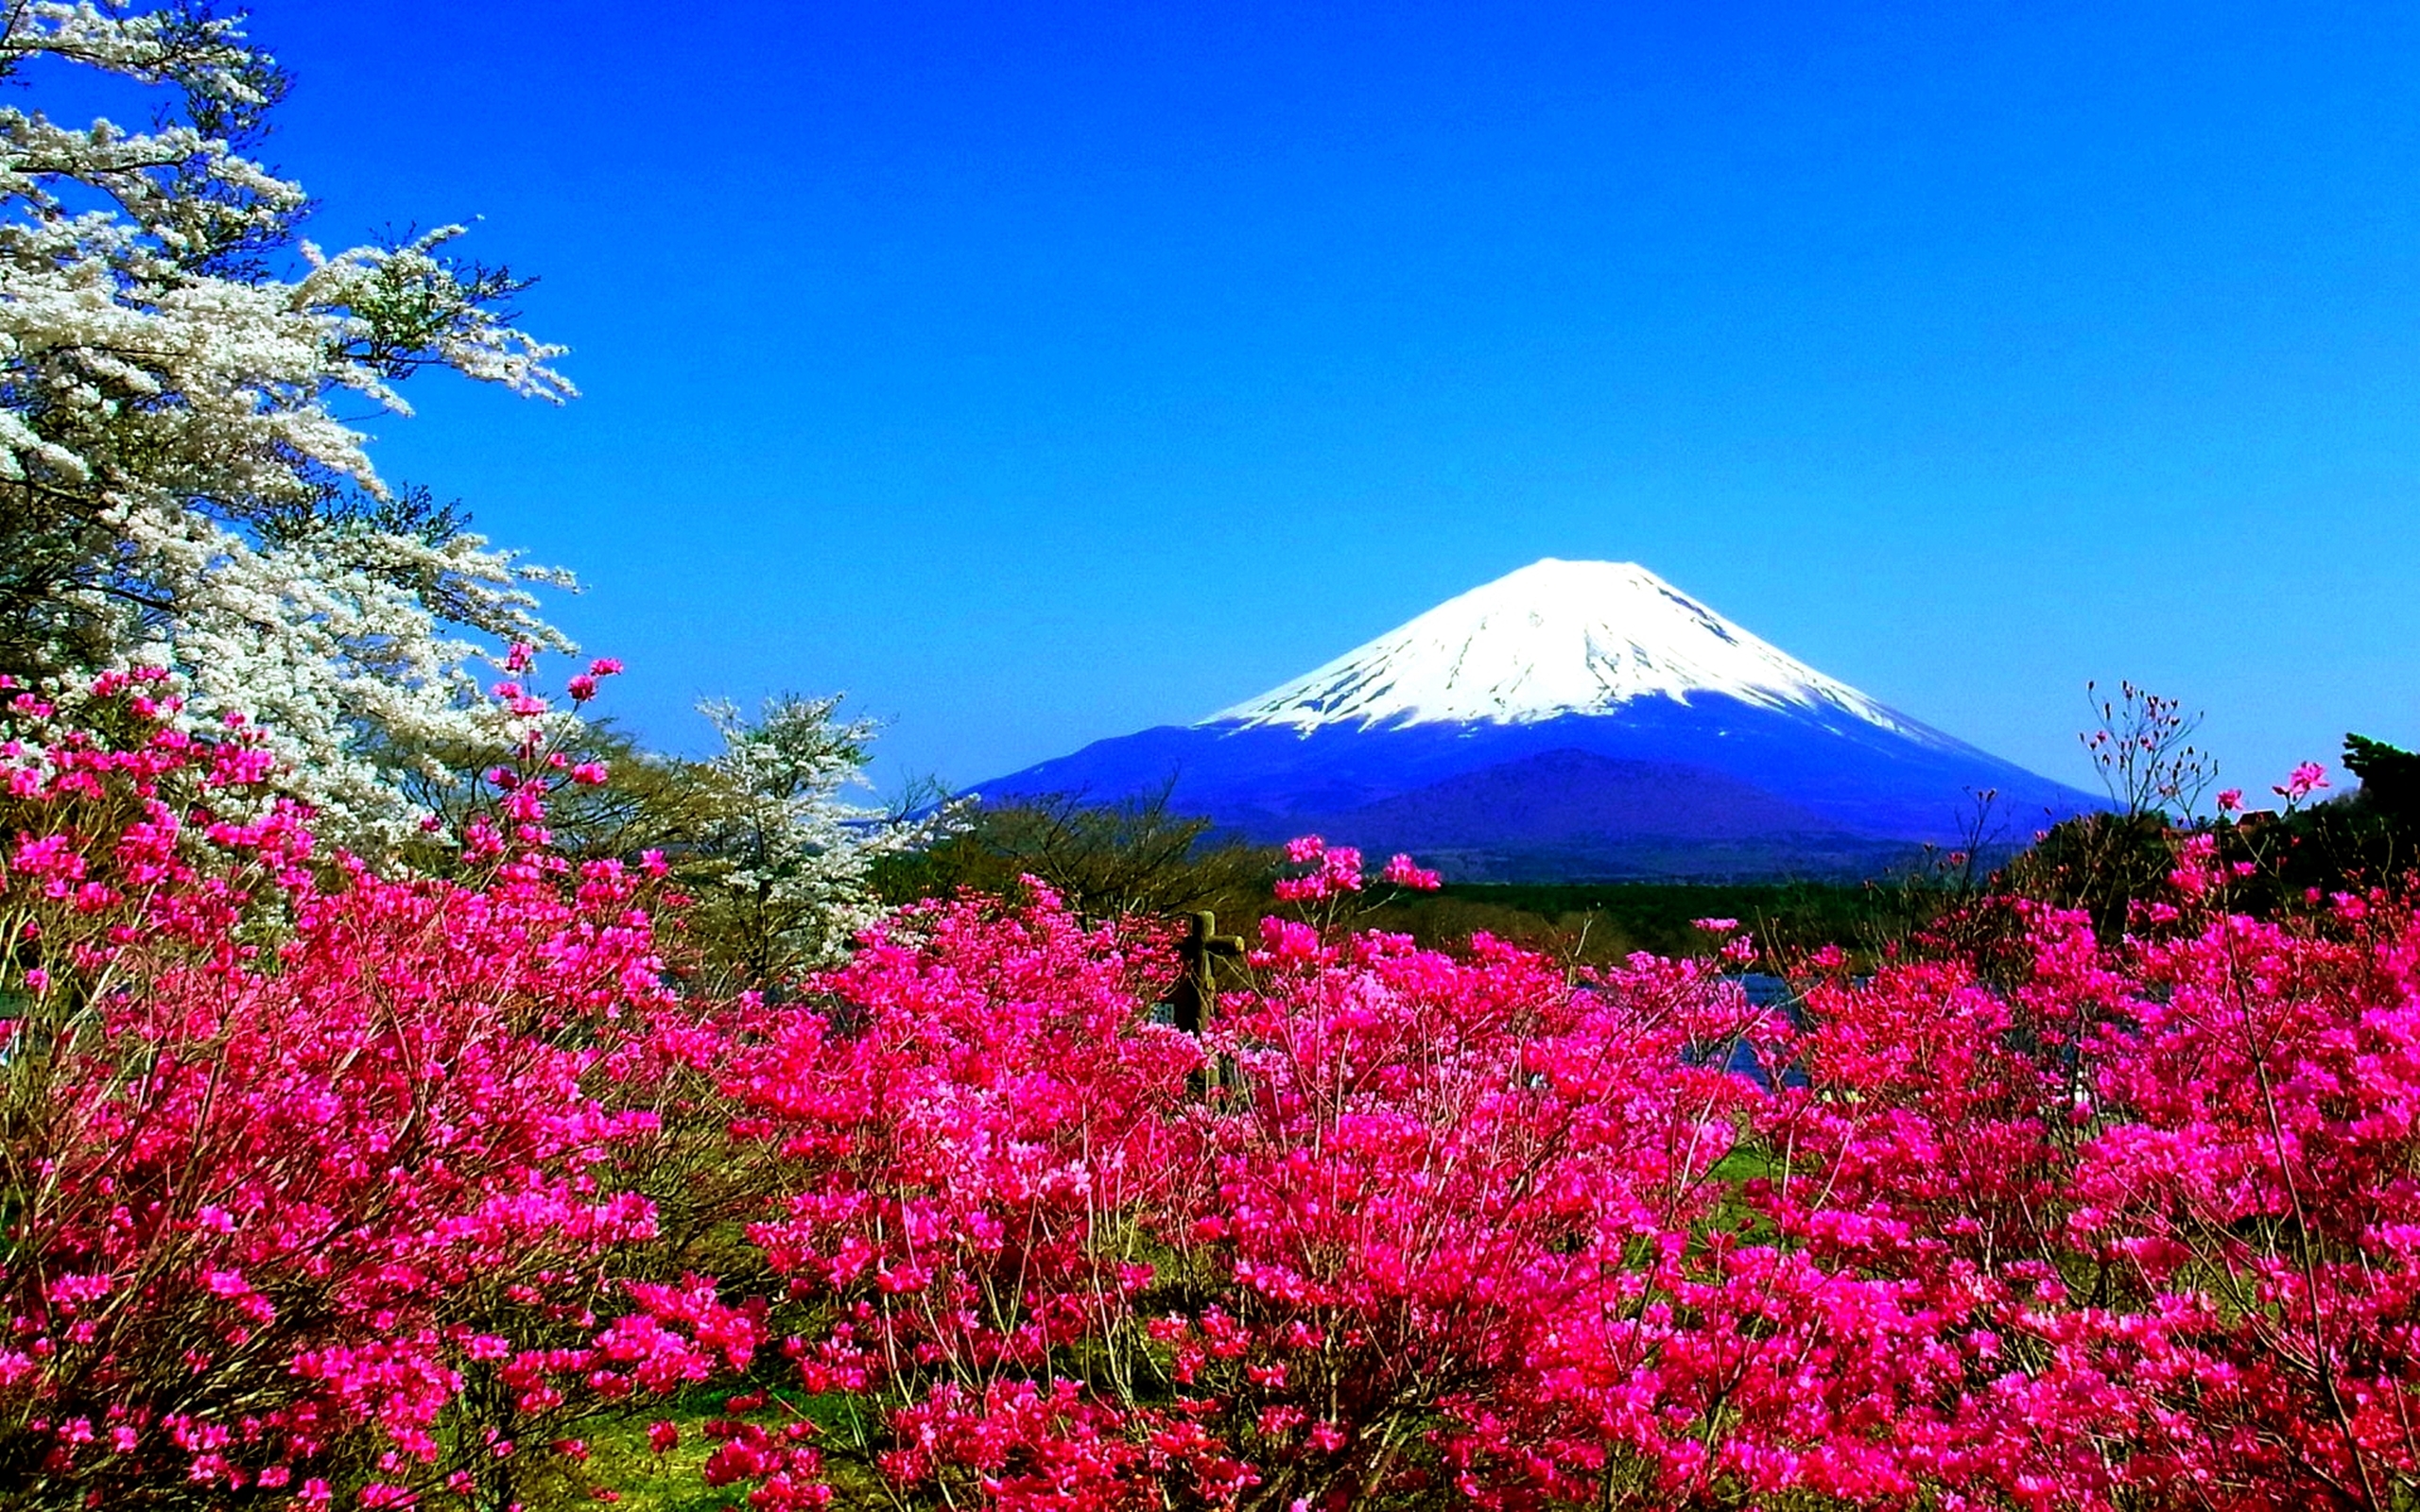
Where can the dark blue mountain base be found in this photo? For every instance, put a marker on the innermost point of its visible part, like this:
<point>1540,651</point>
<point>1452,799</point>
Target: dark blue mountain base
<point>1709,788</point>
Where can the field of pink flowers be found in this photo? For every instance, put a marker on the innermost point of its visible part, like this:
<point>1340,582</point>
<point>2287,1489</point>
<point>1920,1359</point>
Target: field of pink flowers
<point>331,1187</point>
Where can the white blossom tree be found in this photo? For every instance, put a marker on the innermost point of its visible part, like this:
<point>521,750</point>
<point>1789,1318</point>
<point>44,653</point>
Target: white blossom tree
<point>779,862</point>
<point>179,485</point>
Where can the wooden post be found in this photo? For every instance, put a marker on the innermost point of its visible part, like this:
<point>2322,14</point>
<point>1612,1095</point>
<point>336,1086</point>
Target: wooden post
<point>1194,1000</point>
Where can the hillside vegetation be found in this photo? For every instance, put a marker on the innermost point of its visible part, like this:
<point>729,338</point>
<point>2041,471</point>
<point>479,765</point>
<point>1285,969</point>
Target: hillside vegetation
<point>474,1187</point>
<point>416,1094</point>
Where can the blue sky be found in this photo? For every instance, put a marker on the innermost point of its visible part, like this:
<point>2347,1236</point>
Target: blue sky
<point>1037,374</point>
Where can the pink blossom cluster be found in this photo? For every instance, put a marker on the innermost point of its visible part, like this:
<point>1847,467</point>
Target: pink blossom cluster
<point>352,1190</point>
<point>2100,1224</point>
<point>310,1172</point>
<point>1336,869</point>
<point>2306,779</point>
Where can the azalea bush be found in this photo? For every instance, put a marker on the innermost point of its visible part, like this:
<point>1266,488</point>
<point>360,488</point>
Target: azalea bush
<point>326,1184</point>
<point>2084,1224</point>
<point>308,1174</point>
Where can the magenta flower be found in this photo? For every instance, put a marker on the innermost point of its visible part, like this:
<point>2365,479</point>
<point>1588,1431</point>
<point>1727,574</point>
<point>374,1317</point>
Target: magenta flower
<point>2305,780</point>
<point>1967,1225</point>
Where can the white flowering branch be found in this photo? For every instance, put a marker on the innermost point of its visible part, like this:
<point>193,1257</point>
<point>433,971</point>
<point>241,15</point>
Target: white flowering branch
<point>175,482</point>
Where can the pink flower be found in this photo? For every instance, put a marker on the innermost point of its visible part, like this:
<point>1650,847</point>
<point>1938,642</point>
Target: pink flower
<point>2305,780</point>
<point>1403,872</point>
<point>2231,800</point>
<point>1339,870</point>
<point>604,666</point>
<point>1531,1201</point>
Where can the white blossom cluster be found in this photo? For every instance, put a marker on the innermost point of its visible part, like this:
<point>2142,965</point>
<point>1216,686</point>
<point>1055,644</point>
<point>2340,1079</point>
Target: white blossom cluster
<point>177,484</point>
<point>789,855</point>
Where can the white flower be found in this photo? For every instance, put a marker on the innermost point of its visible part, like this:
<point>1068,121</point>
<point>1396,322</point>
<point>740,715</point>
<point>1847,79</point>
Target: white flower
<point>177,482</point>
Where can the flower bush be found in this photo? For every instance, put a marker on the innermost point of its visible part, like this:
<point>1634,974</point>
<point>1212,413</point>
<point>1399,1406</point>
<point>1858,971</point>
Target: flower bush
<point>307,1174</point>
<point>369,1190</point>
<point>2080,1224</point>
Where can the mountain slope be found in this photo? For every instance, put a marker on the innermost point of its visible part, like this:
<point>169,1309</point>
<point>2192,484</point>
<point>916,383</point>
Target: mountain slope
<point>1601,721</point>
<point>1554,639</point>
<point>1564,796</point>
<point>1578,815</point>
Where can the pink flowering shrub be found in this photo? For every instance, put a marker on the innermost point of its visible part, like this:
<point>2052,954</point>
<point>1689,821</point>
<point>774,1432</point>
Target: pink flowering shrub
<point>307,1172</point>
<point>1436,1166</point>
<point>2138,1214</point>
<point>2077,1224</point>
<point>1335,871</point>
<point>1048,1270</point>
<point>961,1139</point>
<point>326,1186</point>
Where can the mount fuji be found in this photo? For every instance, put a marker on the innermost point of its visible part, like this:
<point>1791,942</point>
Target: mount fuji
<point>1570,721</point>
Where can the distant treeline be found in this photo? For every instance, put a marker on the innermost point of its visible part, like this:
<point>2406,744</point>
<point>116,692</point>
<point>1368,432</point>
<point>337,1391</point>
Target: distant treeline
<point>1607,920</point>
<point>1142,857</point>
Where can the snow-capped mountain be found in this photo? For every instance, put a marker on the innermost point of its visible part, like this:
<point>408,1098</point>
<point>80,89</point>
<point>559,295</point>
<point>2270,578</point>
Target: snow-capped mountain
<point>1571,720</point>
<point>1555,639</point>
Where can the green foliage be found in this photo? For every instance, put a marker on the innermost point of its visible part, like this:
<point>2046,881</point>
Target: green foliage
<point>774,863</point>
<point>2389,790</point>
<point>2363,838</point>
<point>1104,859</point>
<point>2101,863</point>
<point>1140,857</point>
<point>1605,921</point>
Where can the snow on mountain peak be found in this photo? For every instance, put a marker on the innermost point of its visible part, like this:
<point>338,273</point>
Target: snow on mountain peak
<point>1552,639</point>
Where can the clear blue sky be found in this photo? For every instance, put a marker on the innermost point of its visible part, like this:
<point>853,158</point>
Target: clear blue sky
<point>1038,374</point>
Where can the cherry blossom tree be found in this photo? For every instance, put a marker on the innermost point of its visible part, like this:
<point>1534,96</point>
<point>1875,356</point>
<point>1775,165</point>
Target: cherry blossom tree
<point>776,860</point>
<point>181,484</point>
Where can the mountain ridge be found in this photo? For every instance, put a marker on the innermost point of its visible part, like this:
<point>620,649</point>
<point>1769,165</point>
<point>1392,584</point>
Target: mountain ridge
<point>1571,683</point>
<point>1553,638</point>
